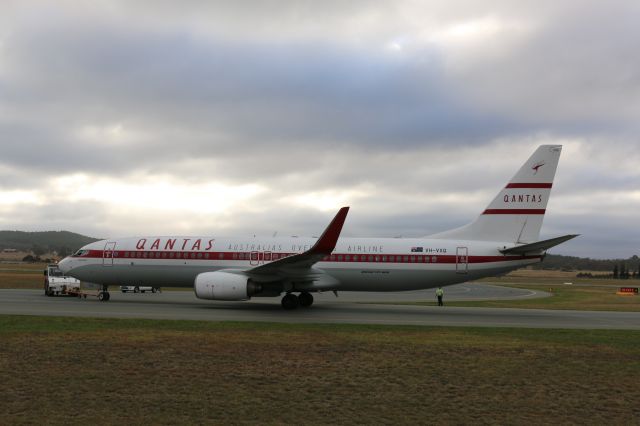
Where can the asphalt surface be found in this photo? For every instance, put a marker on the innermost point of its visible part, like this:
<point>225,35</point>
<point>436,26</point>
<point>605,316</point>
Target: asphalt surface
<point>346,309</point>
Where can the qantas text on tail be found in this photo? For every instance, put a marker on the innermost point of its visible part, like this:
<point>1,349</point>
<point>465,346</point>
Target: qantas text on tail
<point>505,236</point>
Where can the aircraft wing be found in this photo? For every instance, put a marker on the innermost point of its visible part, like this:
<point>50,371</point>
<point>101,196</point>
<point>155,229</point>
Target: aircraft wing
<point>538,246</point>
<point>301,264</point>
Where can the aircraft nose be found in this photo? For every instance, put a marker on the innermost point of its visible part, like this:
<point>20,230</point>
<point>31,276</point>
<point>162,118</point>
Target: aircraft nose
<point>65,265</point>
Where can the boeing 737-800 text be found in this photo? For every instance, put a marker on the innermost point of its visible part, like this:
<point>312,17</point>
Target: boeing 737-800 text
<point>503,237</point>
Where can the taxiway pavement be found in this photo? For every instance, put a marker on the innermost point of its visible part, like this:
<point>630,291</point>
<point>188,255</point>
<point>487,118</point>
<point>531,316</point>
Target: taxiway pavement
<point>347,308</point>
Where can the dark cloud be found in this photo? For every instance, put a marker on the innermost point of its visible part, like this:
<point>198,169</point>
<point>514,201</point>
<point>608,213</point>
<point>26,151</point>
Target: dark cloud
<point>575,73</point>
<point>304,98</point>
<point>220,95</point>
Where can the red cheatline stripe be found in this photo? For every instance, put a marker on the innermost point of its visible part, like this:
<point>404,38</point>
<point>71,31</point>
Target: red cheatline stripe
<point>529,185</point>
<point>514,211</point>
<point>135,256</point>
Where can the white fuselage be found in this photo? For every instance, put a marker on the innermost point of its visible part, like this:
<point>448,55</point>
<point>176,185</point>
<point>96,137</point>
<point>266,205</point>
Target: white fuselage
<point>504,237</point>
<point>356,264</point>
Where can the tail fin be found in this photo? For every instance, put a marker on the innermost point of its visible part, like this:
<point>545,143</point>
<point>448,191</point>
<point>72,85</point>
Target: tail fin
<point>516,214</point>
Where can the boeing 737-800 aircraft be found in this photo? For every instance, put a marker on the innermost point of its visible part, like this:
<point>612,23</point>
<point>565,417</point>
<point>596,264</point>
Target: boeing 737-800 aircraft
<point>503,238</point>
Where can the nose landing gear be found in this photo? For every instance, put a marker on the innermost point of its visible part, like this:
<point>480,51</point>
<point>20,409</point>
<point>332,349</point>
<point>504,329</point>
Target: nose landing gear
<point>104,295</point>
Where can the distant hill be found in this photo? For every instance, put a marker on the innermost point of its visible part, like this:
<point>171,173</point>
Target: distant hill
<point>63,242</point>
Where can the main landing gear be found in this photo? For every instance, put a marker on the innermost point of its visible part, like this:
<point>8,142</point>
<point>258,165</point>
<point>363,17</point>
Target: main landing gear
<point>291,301</point>
<point>104,295</point>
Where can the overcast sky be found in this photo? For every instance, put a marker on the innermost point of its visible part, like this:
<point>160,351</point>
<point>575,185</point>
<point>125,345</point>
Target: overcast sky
<point>239,118</point>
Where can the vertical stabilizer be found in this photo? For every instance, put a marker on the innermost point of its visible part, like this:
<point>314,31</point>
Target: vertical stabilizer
<point>516,213</point>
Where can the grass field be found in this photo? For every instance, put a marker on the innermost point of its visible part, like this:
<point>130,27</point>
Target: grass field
<point>543,276</point>
<point>72,371</point>
<point>574,297</point>
<point>568,292</point>
<point>30,276</point>
<point>22,275</point>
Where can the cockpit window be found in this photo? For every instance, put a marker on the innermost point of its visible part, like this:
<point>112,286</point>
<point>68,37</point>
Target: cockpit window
<point>81,253</point>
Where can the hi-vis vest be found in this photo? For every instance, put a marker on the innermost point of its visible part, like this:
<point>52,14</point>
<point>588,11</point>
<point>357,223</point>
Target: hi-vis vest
<point>439,292</point>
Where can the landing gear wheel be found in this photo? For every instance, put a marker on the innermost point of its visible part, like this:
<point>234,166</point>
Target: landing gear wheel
<point>305,299</point>
<point>104,296</point>
<point>290,301</point>
<point>136,289</point>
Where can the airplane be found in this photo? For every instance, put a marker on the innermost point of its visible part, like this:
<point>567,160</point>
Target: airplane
<point>502,238</point>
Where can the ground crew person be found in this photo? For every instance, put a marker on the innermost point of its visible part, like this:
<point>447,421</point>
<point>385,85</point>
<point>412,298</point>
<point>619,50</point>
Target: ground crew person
<point>439,294</point>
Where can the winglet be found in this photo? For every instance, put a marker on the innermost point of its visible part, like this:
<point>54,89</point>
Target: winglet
<point>327,241</point>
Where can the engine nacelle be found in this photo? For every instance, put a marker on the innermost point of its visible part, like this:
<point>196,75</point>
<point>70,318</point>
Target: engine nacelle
<point>224,286</point>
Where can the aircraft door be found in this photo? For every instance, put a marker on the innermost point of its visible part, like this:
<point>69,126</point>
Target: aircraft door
<point>107,254</point>
<point>255,258</point>
<point>462,260</point>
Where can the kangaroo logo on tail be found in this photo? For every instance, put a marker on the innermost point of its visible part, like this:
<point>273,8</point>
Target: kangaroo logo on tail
<point>536,167</point>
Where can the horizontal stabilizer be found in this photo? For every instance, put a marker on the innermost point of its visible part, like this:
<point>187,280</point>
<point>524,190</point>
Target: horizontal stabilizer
<point>538,246</point>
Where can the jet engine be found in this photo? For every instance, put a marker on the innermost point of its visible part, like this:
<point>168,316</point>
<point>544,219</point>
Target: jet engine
<point>222,285</point>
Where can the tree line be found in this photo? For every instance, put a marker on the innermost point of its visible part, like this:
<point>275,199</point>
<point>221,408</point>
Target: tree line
<point>607,266</point>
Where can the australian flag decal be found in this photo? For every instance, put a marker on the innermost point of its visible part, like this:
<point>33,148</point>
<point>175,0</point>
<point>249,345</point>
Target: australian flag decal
<point>416,249</point>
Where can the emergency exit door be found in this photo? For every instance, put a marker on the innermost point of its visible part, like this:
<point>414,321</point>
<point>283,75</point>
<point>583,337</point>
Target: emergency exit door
<point>462,260</point>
